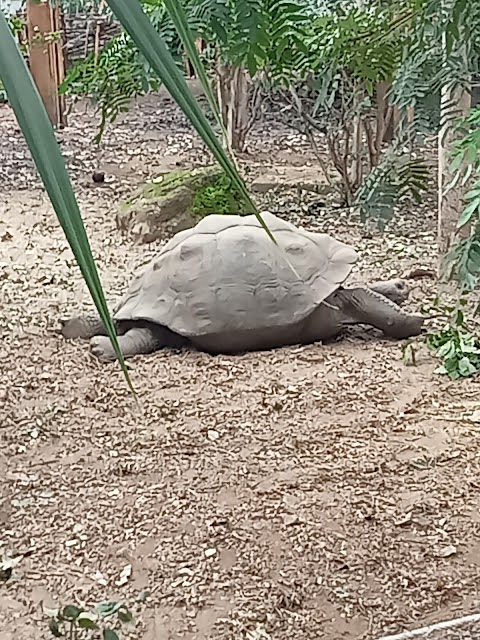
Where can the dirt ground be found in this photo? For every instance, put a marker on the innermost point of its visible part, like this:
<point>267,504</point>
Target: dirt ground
<point>326,491</point>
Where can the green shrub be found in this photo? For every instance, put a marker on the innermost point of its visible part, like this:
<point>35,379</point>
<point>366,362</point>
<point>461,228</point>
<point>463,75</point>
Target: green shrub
<point>220,197</point>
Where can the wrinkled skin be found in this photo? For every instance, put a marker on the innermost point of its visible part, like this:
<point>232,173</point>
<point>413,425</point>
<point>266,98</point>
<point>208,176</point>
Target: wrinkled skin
<point>377,305</point>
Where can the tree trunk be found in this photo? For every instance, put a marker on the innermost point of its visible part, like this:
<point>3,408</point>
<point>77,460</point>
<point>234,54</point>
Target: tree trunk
<point>393,124</point>
<point>384,119</point>
<point>356,172</point>
<point>189,70</point>
<point>451,203</point>
<point>354,154</point>
<point>238,111</point>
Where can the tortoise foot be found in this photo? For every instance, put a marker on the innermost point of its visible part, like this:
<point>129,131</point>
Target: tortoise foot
<point>102,348</point>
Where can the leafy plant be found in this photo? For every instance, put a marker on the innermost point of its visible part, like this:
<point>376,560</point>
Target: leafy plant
<point>342,53</point>
<point>458,348</point>
<point>220,197</point>
<point>417,49</point>
<point>253,34</point>
<point>366,42</point>
<point>113,79</point>
<point>442,53</point>
<point>71,620</point>
<point>462,262</point>
<point>340,90</point>
<point>243,38</point>
<point>398,174</point>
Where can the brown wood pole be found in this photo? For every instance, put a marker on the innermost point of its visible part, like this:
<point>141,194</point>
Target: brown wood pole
<point>45,52</point>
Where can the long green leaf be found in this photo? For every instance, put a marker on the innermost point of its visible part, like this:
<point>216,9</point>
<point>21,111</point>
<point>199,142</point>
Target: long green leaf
<point>180,20</point>
<point>136,23</point>
<point>38,132</point>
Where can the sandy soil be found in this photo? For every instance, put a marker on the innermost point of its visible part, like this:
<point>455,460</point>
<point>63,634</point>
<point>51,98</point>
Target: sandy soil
<point>311,492</point>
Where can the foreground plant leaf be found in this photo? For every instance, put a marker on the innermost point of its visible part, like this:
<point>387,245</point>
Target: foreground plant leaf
<point>180,20</point>
<point>137,24</point>
<point>33,120</point>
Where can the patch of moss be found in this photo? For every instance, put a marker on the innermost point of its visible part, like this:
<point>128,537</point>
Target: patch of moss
<point>221,197</point>
<point>167,183</point>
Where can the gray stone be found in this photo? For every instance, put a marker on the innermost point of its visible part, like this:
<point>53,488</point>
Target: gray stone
<point>164,206</point>
<point>285,177</point>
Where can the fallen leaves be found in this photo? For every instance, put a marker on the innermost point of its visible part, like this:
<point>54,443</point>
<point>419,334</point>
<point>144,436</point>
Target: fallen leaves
<point>7,564</point>
<point>446,552</point>
<point>124,575</point>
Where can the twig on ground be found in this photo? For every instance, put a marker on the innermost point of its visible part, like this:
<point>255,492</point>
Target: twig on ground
<point>446,624</point>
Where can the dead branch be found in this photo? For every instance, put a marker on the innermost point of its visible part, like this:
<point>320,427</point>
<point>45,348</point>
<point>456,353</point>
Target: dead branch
<point>370,142</point>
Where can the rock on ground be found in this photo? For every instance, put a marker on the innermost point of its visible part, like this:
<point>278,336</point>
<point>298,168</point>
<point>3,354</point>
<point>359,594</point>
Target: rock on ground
<point>165,205</point>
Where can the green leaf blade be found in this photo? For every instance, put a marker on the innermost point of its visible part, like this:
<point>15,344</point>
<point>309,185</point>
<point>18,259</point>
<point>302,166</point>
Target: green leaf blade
<point>33,120</point>
<point>136,23</point>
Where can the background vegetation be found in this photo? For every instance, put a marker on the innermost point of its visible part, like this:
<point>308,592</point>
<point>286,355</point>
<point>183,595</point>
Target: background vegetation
<point>371,79</point>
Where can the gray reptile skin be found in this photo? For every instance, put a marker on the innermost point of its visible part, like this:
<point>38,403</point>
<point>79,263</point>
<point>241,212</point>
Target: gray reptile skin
<point>225,287</point>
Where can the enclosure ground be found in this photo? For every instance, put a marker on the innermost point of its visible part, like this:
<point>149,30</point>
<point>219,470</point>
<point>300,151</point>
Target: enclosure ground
<point>326,491</point>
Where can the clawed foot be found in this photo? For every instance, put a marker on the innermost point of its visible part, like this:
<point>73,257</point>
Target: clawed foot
<point>102,348</point>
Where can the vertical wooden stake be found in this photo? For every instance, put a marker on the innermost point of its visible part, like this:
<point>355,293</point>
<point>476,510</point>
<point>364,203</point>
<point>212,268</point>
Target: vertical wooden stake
<point>97,32</point>
<point>46,61</point>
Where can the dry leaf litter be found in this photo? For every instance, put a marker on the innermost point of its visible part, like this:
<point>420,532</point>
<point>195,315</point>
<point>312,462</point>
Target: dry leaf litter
<point>310,492</point>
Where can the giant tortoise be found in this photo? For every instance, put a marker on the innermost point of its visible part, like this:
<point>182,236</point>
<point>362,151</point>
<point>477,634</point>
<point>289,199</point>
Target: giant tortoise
<point>225,287</point>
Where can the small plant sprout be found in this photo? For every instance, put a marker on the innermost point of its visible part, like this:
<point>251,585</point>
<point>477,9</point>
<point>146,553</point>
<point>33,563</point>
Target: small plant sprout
<point>456,345</point>
<point>69,621</point>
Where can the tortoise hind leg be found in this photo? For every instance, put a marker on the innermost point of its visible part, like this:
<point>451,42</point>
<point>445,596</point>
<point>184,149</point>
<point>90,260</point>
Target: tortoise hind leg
<point>137,341</point>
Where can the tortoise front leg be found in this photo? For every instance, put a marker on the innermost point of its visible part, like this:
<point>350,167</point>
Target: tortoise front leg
<point>83,327</point>
<point>367,306</point>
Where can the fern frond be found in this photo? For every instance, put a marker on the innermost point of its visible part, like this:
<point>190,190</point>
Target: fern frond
<point>462,262</point>
<point>397,175</point>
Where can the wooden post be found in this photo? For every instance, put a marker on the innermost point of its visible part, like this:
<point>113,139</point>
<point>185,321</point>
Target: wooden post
<point>46,62</point>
